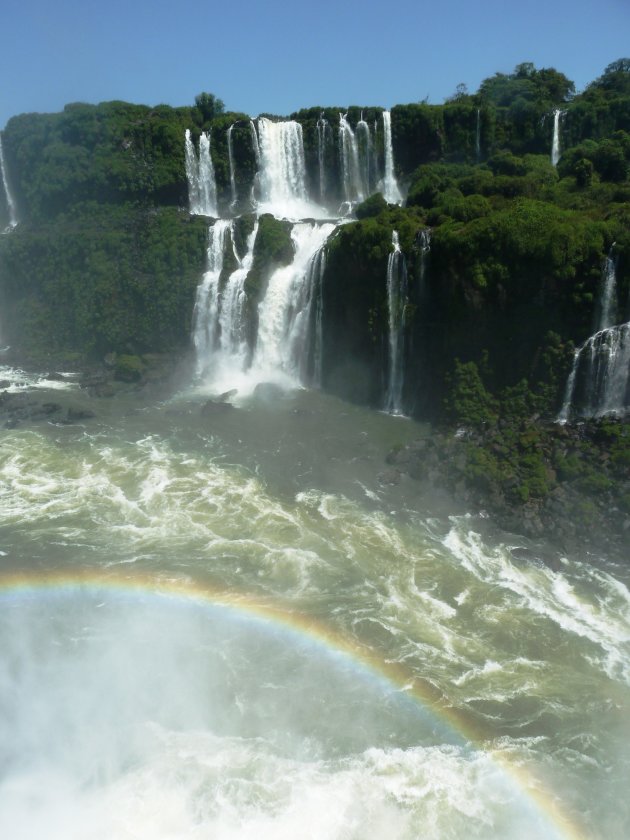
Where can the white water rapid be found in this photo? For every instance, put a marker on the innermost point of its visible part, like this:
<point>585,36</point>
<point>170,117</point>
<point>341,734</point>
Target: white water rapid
<point>228,626</point>
<point>11,206</point>
<point>202,190</point>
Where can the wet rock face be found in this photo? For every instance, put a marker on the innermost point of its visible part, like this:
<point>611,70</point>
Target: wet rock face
<point>568,484</point>
<point>19,408</point>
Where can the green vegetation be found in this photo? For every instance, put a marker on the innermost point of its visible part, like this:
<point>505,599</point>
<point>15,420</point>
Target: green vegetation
<point>100,280</point>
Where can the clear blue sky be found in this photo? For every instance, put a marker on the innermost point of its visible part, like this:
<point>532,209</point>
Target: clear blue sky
<point>277,56</point>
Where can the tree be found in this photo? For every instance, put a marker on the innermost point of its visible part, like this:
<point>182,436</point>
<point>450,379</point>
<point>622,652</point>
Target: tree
<point>461,92</point>
<point>527,83</point>
<point>615,78</point>
<point>209,106</point>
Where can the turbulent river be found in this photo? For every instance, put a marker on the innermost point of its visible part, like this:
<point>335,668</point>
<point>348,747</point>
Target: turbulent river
<point>230,624</point>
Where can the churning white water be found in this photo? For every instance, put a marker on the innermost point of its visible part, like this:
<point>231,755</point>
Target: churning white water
<point>230,626</point>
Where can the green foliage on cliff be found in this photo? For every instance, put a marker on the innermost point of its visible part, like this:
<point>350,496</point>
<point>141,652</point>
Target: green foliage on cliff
<point>101,280</point>
<point>516,251</point>
<point>112,152</point>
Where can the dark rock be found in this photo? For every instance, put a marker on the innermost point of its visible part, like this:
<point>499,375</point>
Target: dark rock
<point>389,477</point>
<point>49,407</point>
<point>398,455</point>
<point>102,389</point>
<point>212,407</point>
<point>75,414</point>
<point>227,395</point>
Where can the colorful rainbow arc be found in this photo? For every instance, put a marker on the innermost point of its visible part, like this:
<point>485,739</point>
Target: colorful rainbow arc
<point>422,692</point>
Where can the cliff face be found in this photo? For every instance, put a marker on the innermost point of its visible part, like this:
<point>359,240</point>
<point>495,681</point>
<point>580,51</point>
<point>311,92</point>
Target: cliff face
<point>502,249</point>
<point>471,296</point>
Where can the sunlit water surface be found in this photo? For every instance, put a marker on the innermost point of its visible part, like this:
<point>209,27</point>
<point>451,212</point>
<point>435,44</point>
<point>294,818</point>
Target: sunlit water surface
<point>232,624</point>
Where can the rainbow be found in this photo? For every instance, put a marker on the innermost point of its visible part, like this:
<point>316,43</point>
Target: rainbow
<point>20,585</point>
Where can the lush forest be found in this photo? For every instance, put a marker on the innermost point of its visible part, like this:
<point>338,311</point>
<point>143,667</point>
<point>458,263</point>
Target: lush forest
<point>504,251</point>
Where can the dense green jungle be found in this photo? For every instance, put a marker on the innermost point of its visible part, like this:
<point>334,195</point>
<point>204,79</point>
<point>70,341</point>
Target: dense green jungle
<point>106,258</point>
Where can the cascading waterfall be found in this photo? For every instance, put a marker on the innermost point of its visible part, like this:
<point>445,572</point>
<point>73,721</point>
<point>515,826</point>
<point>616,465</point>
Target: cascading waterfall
<point>206,311</point>
<point>353,187</point>
<point>285,314</point>
<point>423,242</point>
<point>233,339</point>
<point>396,300</point>
<point>202,190</point>
<point>231,161</point>
<point>608,298</point>
<point>599,382</point>
<point>256,150</point>
<point>282,181</point>
<point>555,143</point>
<point>391,192</point>
<point>13,219</point>
<point>317,268</point>
<point>366,154</point>
<point>324,135</point>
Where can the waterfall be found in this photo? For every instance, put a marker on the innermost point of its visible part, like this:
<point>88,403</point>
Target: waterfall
<point>256,149</point>
<point>206,311</point>
<point>13,220</point>
<point>366,154</point>
<point>396,300</point>
<point>391,192</point>
<point>555,144</point>
<point>353,188</point>
<point>231,160</point>
<point>282,182</point>
<point>565,411</point>
<point>423,242</point>
<point>318,268</point>
<point>478,136</point>
<point>608,298</point>
<point>286,313</point>
<point>202,190</point>
<point>233,338</point>
<point>323,137</point>
<point>599,382</point>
